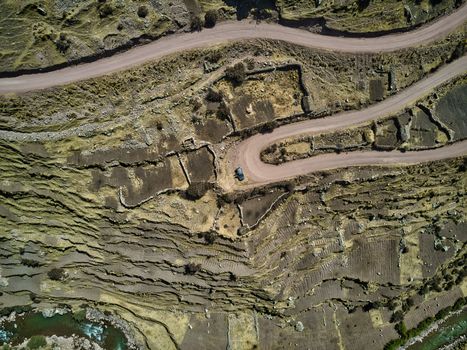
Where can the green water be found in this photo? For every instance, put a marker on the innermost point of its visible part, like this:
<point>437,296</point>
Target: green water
<point>447,332</point>
<point>107,336</point>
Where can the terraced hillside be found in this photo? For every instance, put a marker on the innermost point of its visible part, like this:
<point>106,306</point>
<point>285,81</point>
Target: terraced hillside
<point>113,212</point>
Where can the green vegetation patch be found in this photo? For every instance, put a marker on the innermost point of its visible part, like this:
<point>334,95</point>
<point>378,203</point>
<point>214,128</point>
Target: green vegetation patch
<point>405,334</point>
<point>36,342</point>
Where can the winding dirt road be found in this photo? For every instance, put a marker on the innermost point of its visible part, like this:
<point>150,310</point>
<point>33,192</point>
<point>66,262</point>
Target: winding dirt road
<point>231,31</point>
<point>247,153</point>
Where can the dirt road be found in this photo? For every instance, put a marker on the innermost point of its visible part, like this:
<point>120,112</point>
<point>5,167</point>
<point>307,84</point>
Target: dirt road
<point>231,31</point>
<point>247,153</point>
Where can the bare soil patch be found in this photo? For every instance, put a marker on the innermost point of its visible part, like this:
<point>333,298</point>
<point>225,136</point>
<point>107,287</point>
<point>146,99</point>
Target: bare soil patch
<point>138,183</point>
<point>263,97</point>
<point>423,132</point>
<point>433,258</point>
<point>375,260</point>
<point>212,129</point>
<point>254,208</point>
<point>376,90</point>
<point>386,134</point>
<point>200,166</point>
<point>451,109</point>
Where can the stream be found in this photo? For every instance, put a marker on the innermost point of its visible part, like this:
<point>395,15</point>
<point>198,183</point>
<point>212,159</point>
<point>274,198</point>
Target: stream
<point>34,323</point>
<point>447,332</point>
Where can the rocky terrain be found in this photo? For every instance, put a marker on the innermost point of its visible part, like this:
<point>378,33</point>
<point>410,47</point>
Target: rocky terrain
<point>53,33</point>
<point>110,197</point>
<point>431,123</point>
<point>363,16</point>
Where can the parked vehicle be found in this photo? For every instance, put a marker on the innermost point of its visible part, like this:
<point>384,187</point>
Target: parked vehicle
<point>239,174</point>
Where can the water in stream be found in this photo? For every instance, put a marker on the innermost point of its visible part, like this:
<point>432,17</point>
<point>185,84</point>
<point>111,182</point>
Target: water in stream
<point>447,332</point>
<point>34,323</point>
